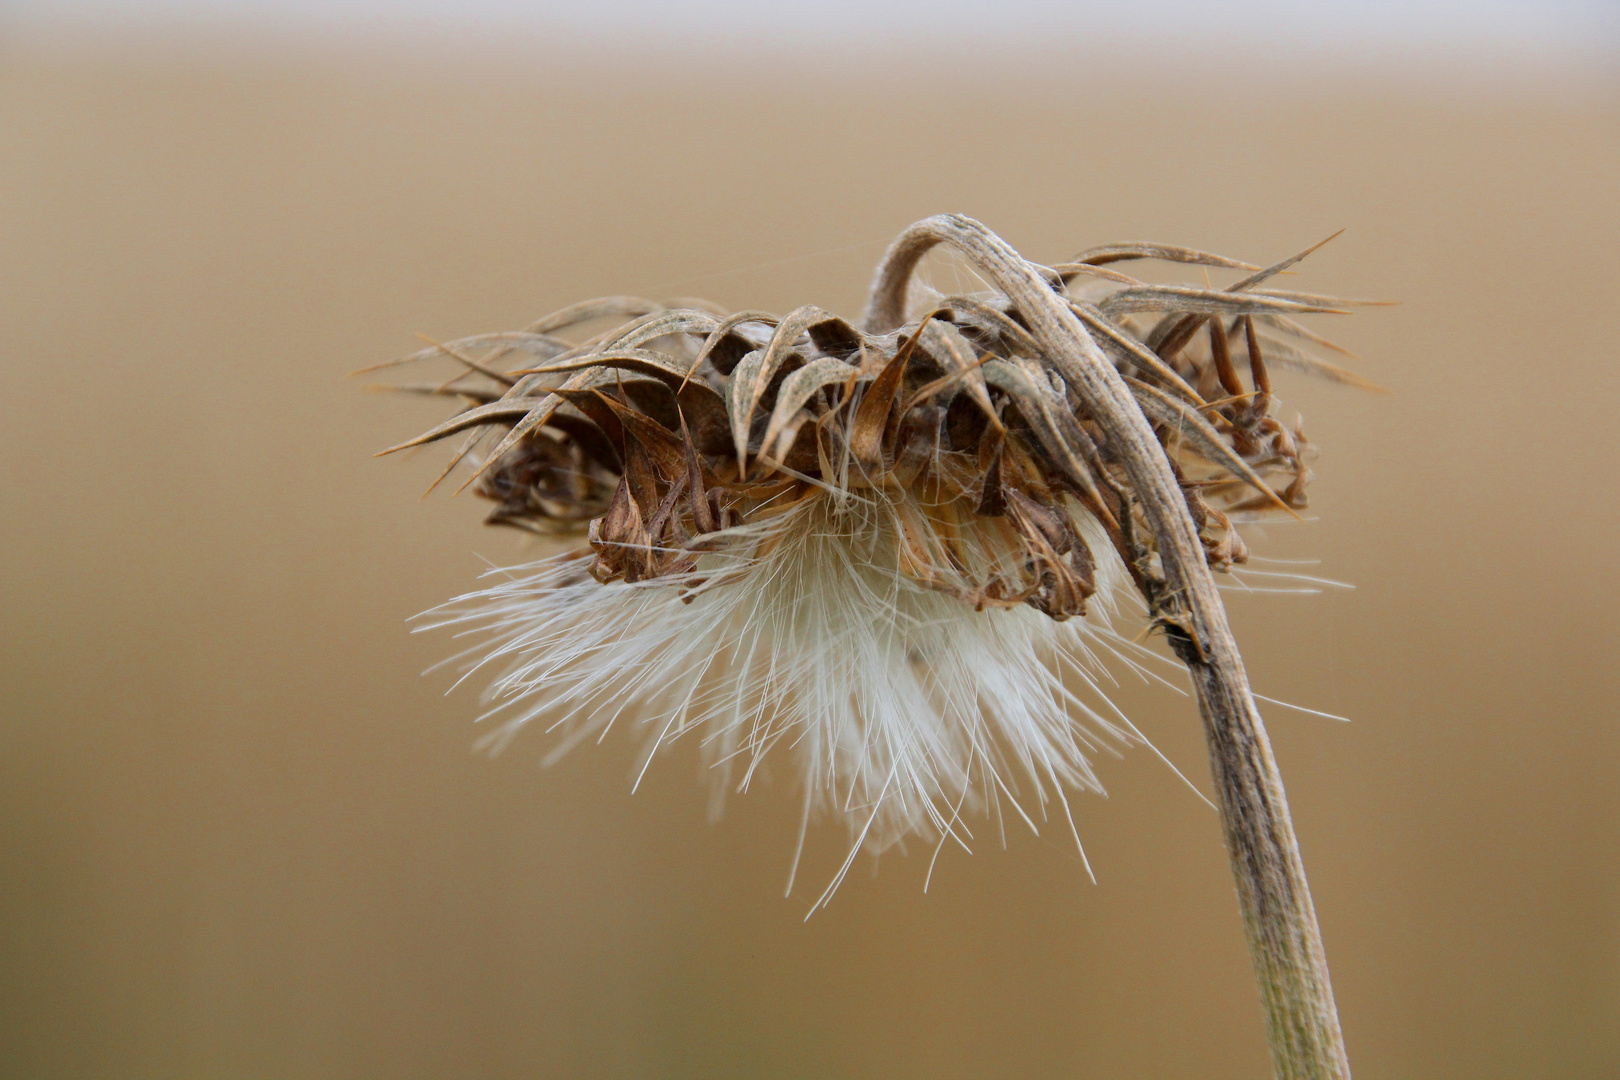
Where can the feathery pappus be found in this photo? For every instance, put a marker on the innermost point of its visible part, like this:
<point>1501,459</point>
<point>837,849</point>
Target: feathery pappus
<point>890,551</point>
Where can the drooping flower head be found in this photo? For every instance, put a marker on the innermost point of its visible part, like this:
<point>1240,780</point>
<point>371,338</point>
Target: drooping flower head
<point>888,551</point>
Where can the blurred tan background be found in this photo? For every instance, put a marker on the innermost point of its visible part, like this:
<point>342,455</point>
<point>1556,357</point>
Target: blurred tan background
<point>241,837</point>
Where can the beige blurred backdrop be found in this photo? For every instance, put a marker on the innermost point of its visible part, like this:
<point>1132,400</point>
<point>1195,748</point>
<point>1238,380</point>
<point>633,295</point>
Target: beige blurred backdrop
<point>241,836</point>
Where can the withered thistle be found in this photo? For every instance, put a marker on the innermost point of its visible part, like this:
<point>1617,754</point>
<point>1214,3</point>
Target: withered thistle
<point>892,550</point>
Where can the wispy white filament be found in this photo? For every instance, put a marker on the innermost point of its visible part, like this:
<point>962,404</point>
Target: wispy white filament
<point>903,709</point>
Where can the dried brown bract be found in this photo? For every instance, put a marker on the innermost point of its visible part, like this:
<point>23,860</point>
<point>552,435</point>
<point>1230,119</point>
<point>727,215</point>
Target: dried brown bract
<point>677,423</point>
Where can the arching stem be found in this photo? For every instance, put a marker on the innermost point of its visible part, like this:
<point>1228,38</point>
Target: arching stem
<point>1284,941</point>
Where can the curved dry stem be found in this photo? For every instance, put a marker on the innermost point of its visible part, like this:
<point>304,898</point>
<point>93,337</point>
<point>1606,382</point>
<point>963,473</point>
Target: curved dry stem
<point>1284,940</point>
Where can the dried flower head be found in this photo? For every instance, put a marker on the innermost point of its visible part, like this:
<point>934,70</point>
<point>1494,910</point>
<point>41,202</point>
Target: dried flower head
<point>882,547</point>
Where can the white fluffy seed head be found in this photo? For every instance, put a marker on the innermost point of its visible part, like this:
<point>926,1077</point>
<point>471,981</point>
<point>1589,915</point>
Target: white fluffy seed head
<point>903,710</point>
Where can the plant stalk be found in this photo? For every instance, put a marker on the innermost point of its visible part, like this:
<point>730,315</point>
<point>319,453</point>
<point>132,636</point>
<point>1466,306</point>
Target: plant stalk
<point>1285,943</point>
